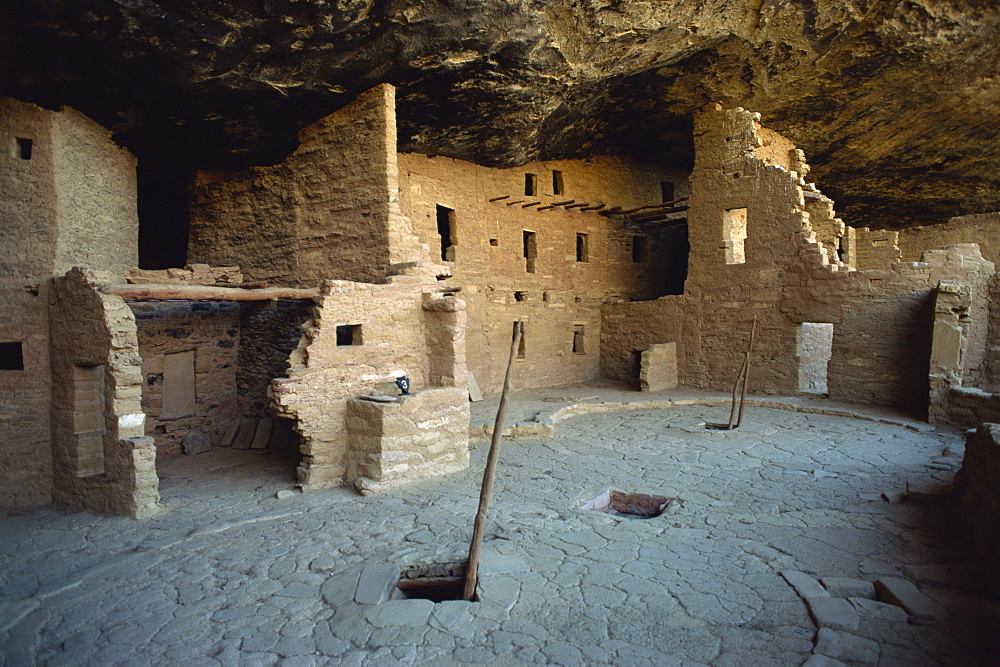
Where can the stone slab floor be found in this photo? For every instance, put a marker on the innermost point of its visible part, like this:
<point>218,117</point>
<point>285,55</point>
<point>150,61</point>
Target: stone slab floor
<point>232,575</point>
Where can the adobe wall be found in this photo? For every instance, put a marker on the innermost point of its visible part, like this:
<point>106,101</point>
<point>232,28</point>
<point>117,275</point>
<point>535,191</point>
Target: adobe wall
<point>982,228</point>
<point>405,327</point>
<point>196,338</point>
<point>785,275</point>
<point>95,186</point>
<point>977,493</point>
<point>28,237</point>
<point>561,295</point>
<point>102,461</point>
<point>67,197</point>
<point>329,210</point>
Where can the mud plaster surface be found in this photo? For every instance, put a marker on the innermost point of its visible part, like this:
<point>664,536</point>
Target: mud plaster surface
<point>232,575</point>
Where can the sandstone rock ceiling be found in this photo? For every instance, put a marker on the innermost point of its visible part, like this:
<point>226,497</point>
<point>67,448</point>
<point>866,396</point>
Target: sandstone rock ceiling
<point>896,103</point>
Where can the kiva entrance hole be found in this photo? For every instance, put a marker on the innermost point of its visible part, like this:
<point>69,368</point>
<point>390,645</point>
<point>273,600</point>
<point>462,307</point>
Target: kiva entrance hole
<point>629,505</point>
<point>436,582</point>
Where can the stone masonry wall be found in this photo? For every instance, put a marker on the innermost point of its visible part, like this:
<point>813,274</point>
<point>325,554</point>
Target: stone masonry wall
<point>786,276</point>
<point>95,186</point>
<point>360,338</point>
<point>560,298</point>
<point>28,237</point>
<point>982,228</point>
<point>329,210</point>
<point>977,492</point>
<point>210,330</point>
<point>101,460</point>
<point>67,197</point>
<point>877,249</point>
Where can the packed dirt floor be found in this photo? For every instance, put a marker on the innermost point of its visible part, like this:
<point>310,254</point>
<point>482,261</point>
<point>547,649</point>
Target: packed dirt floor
<point>231,574</point>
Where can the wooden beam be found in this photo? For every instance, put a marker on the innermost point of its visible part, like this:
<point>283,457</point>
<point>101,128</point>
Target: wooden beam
<point>598,207</point>
<point>154,292</point>
<point>500,198</point>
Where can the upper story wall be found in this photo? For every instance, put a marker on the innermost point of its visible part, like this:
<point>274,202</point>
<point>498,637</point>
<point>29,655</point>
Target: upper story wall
<point>328,211</point>
<point>522,257</point>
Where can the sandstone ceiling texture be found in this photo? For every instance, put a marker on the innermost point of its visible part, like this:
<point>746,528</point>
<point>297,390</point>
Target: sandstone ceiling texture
<point>897,103</point>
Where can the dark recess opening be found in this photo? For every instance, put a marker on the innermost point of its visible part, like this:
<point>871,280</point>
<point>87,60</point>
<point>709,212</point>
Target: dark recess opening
<point>446,230</point>
<point>520,345</point>
<point>675,249</point>
<point>636,365</point>
<point>530,251</point>
<point>24,148</point>
<point>162,198</point>
<point>11,356</point>
<point>530,184</point>
<point>348,334</point>
<point>638,249</point>
<point>578,347</point>
<point>582,249</point>
<point>667,191</point>
<point>557,182</point>
<point>520,296</point>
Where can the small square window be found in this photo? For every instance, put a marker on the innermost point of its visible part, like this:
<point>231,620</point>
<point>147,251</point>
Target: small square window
<point>348,334</point>
<point>25,148</point>
<point>520,296</point>
<point>494,242</point>
<point>11,357</point>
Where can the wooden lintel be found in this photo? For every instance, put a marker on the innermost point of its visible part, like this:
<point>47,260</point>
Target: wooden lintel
<point>513,201</point>
<point>577,205</point>
<point>530,204</point>
<point>545,208</point>
<point>155,292</point>
<point>500,198</point>
<point>563,203</point>
<point>596,207</point>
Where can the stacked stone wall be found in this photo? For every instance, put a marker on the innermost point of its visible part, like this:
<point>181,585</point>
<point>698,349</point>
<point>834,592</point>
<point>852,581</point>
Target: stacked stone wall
<point>210,330</point>
<point>559,295</point>
<point>981,228</point>
<point>361,337</point>
<point>28,237</point>
<point>327,211</point>
<point>977,493</point>
<point>101,460</point>
<point>877,249</point>
<point>67,197</point>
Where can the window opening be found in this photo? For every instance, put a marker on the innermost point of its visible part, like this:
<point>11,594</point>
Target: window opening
<point>530,184</point>
<point>578,347</point>
<point>557,182</point>
<point>814,347</point>
<point>667,191</point>
<point>520,296</point>
<point>11,356</point>
<point>545,297</point>
<point>734,230</point>
<point>446,230</point>
<point>530,250</point>
<point>88,419</point>
<point>348,334</point>
<point>638,249</point>
<point>582,249</point>
<point>494,242</point>
<point>635,368</point>
<point>520,345</point>
<point>25,148</point>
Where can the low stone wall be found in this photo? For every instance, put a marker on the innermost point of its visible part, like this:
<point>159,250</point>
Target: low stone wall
<point>421,435</point>
<point>977,492</point>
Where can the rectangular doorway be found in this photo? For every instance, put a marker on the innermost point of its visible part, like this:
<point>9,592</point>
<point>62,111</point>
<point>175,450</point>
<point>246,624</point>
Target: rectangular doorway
<point>814,347</point>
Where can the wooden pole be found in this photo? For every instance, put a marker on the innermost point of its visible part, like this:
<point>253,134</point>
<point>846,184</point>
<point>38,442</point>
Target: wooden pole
<point>154,292</point>
<point>475,548</point>
<point>746,371</point>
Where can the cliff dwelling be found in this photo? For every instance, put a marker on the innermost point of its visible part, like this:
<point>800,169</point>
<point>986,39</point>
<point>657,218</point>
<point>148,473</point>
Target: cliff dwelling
<point>257,322</point>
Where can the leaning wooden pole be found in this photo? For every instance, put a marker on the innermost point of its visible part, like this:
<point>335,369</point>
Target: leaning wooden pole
<point>476,547</point>
<point>746,371</point>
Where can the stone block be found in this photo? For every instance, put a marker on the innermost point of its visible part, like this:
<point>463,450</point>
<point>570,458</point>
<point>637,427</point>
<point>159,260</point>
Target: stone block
<point>846,647</point>
<point>903,593</point>
<point>848,587</point>
<point>196,442</point>
<point>376,582</point>
<point>806,586</point>
<point>834,613</point>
